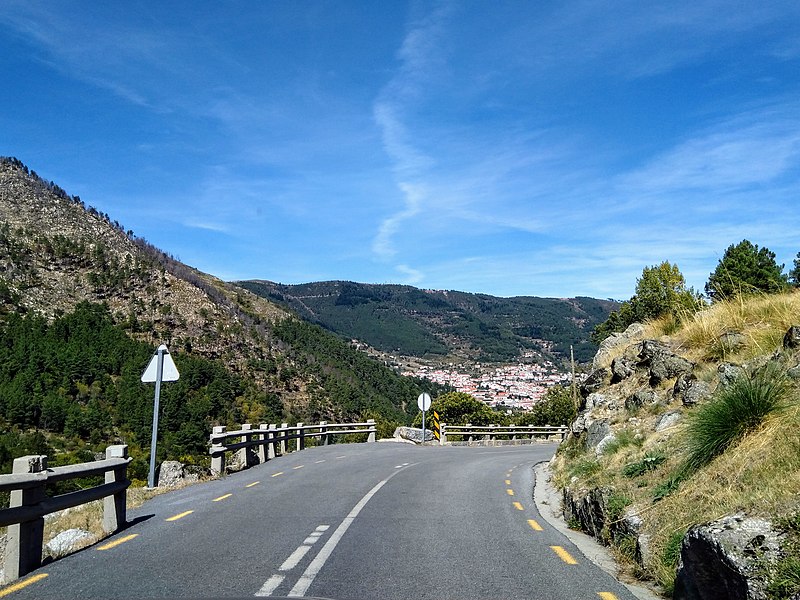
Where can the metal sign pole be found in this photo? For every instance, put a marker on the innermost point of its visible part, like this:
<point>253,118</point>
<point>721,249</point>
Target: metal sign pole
<point>159,374</point>
<point>423,427</point>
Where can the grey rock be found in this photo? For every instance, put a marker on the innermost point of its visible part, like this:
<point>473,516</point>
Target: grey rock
<point>663,364</point>
<point>579,425</point>
<point>67,541</point>
<point>794,372</point>
<point>414,434</point>
<point>640,398</point>
<point>595,400</point>
<point>602,359</point>
<point>622,367</point>
<point>173,473</point>
<point>727,559</point>
<point>690,390</point>
<point>596,432</point>
<point>596,380</point>
<point>728,373</point>
<point>792,338</point>
<point>587,509</point>
<point>604,443</point>
<point>667,420</point>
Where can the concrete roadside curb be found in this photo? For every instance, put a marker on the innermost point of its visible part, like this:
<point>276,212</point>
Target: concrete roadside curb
<point>548,503</point>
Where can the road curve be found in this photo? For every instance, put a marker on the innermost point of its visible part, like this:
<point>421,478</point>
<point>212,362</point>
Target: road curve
<point>346,522</point>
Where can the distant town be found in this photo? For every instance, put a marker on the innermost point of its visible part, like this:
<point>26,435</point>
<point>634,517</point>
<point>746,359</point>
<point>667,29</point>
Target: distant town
<point>515,386</point>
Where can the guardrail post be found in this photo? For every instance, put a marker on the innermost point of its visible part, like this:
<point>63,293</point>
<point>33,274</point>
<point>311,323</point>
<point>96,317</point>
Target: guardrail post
<point>469,437</point>
<point>283,442</point>
<point>323,431</point>
<point>372,430</point>
<point>489,434</point>
<point>217,451</point>
<point>272,445</point>
<point>24,540</point>
<point>442,434</point>
<point>261,449</point>
<point>114,507</point>
<point>301,437</point>
<point>244,454</point>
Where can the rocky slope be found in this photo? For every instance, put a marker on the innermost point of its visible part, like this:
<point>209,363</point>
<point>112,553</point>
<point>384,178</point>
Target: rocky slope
<point>56,252</point>
<point>727,530</point>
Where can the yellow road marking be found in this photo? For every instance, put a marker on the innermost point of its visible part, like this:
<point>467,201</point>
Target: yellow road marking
<point>508,482</point>
<point>255,483</point>
<point>607,596</point>
<point>278,473</point>
<point>510,492</point>
<point>180,516</point>
<point>298,467</point>
<point>534,525</point>
<point>222,497</point>
<point>116,543</point>
<point>518,506</point>
<point>22,584</point>
<point>564,555</point>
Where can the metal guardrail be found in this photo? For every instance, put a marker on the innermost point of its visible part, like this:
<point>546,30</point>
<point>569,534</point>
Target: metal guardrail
<point>30,503</point>
<point>256,446</point>
<point>492,432</point>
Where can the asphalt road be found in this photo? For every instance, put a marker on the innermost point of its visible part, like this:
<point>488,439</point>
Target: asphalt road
<point>345,522</point>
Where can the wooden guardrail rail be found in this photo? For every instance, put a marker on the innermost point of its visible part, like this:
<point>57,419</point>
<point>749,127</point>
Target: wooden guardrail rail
<point>491,432</point>
<point>258,445</point>
<point>29,502</point>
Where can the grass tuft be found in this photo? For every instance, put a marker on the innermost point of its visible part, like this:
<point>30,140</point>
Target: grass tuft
<point>737,409</point>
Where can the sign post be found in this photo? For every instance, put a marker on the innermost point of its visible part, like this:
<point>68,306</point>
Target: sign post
<point>161,368</point>
<point>424,403</point>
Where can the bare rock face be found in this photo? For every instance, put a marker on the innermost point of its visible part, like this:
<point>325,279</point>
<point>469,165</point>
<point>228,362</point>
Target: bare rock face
<point>726,558</point>
<point>615,341</point>
<point>662,362</point>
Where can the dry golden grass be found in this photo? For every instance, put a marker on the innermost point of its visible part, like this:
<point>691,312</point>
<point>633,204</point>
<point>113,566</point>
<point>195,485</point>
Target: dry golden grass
<point>762,320</point>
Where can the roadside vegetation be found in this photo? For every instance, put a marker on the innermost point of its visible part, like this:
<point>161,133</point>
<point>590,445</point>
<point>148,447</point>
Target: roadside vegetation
<point>736,452</point>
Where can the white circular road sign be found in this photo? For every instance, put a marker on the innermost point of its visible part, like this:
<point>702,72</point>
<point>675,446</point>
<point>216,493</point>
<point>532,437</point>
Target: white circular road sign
<point>424,401</point>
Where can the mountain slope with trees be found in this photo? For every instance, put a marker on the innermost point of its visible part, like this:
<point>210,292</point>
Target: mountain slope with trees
<point>84,304</point>
<point>406,320</point>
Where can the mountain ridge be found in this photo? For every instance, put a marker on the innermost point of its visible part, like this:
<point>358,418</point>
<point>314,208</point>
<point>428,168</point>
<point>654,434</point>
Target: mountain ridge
<point>445,324</point>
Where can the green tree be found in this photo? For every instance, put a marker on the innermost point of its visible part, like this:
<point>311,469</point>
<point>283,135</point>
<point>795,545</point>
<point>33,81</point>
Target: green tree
<point>458,408</point>
<point>794,274</point>
<point>744,269</point>
<point>557,408</point>
<point>661,290</point>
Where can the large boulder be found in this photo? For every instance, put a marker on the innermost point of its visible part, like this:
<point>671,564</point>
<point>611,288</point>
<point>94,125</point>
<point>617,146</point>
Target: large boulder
<point>727,559</point>
<point>173,473</point>
<point>413,434</point>
<point>662,363</point>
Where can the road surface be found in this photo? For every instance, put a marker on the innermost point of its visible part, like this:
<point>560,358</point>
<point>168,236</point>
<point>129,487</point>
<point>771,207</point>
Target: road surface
<point>348,522</point>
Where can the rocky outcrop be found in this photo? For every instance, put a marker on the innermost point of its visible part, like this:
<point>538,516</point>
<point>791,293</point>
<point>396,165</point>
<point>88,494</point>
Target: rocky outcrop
<point>611,345</point>
<point>173,473</point>
<point>727,559</point>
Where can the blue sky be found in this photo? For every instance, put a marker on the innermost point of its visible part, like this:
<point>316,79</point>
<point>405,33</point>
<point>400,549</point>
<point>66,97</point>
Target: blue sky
<point>511,148</point>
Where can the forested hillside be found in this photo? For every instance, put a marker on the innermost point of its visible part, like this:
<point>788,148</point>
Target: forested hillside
<point>84,304</point>
<point>426,323</point>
